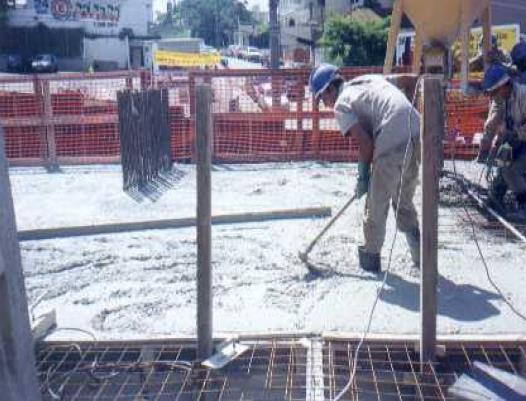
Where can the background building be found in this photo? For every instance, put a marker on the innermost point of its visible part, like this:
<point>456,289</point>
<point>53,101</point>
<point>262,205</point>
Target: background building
<point>106,33</point>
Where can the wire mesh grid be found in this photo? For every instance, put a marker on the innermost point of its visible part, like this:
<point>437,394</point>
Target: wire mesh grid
<point>392,371</point>
<point>461,211</point>
<point>269,370</point>
<point>276,369</point>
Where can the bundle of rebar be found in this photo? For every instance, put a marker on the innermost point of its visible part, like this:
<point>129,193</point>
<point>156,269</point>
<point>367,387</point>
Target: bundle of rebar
<point>144,138</point>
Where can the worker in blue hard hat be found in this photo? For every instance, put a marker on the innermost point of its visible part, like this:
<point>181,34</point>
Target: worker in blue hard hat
<point>495,55</point>
<point>497,105</point>
<point>509,125</point>
<point>380,118</point>
<point>518,58</point>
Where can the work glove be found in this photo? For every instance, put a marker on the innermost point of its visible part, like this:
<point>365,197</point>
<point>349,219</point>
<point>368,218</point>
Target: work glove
<point>362,183</point>
<point>504,155</point>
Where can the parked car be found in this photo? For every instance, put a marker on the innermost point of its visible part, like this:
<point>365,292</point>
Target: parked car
<point>43,63</point>
<point>16,64</point>
<point>252,54</point>
<point>208,50</point>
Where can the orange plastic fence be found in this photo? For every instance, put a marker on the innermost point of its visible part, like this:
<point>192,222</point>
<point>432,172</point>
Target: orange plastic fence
<point>259,116</point>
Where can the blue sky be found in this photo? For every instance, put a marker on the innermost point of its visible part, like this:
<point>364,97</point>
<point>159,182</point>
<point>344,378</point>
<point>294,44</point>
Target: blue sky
<point>160,5</point>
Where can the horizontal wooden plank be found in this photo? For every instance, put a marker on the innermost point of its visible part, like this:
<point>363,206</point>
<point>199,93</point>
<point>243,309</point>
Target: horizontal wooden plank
<point>73,119</point>
<point>114,228</point>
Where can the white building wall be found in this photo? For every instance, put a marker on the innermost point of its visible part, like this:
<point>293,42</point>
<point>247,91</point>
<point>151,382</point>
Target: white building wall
<point>106,51</point>
<point>103,17</point>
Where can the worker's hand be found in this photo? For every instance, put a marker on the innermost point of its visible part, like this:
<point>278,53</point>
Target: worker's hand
<point>504,155</point>
<point>362,183</point>
<point>485,148</point>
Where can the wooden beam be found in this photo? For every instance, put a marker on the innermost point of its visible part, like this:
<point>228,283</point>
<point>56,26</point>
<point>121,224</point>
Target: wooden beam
<point>464,40</point>
<point>115,228</point>
<point>50,126</point>
<point>431,133</point>
<point>396,19</point>
<point>418,53</point>
<point>486,35</point>
<point>18,375</point>
<point>203,144</point>
<point>73,119</point>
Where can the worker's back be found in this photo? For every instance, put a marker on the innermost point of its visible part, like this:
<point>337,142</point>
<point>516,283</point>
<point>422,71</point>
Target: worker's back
<point>380,108</point>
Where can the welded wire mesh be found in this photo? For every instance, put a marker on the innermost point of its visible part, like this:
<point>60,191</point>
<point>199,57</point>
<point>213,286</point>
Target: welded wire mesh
<point>271,369</point>
<point>393,371</point>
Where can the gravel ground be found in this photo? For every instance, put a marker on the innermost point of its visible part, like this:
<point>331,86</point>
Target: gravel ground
<point>142,284</point>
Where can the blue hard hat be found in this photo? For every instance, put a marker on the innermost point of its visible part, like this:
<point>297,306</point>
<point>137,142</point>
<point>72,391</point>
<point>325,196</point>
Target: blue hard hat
<point>496,76</point>
<point>321,77</point>
<point>518,52</point>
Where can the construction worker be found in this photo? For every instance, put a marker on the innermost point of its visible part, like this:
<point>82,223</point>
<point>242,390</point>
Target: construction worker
<point>510,126</point>
<point>493,125</point>
<point>386,127</point>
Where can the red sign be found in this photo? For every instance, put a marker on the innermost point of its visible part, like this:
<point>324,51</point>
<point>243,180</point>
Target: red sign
<point>61,9</point>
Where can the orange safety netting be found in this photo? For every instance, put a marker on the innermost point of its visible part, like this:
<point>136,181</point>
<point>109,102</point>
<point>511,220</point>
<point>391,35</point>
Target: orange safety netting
<point>258,116</point>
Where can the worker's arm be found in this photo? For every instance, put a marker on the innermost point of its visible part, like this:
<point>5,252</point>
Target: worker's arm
<point>365,149</point>
<point>365,143</point>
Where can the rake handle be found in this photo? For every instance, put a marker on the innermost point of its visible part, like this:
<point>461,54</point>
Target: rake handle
<point>330,224</point>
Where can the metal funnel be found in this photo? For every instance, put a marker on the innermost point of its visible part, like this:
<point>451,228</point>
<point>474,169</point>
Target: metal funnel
<point>441,21</point>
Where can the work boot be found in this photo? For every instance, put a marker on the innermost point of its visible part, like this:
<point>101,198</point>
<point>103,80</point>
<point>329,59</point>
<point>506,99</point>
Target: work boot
<point>413,240</point>
<point>369,261</point>
<point>520,214</point>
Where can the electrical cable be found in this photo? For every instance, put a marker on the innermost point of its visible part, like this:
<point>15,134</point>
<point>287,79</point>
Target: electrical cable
<point>483,259</point>
<point>386,274</point>
<point>94,369</point>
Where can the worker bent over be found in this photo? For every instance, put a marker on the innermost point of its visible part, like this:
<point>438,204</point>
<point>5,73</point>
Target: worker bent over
<point>497,110</point>
<point>386,126</point>
<point>509,124</point>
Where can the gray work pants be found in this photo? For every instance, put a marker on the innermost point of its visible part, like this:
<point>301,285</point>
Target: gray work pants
<point>384,188</point>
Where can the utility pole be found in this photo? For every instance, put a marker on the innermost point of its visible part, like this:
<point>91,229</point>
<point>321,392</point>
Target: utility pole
<point>274,52</point>
<point>218,39</point>
<point>274,34</point>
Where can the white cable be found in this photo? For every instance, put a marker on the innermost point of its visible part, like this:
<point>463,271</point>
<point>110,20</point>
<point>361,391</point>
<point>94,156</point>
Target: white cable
<point>482,257</point>
<point>386,274</point>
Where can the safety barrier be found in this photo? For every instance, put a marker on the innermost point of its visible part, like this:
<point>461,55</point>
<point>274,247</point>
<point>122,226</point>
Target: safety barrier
<point>259,116</point>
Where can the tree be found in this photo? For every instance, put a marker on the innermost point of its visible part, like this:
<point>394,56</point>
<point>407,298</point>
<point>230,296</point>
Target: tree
<point>215,21</point>
<point>352,42</point>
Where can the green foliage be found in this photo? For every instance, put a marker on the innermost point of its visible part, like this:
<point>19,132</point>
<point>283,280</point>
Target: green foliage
<point>351,42</point>
<point>215,21</point>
